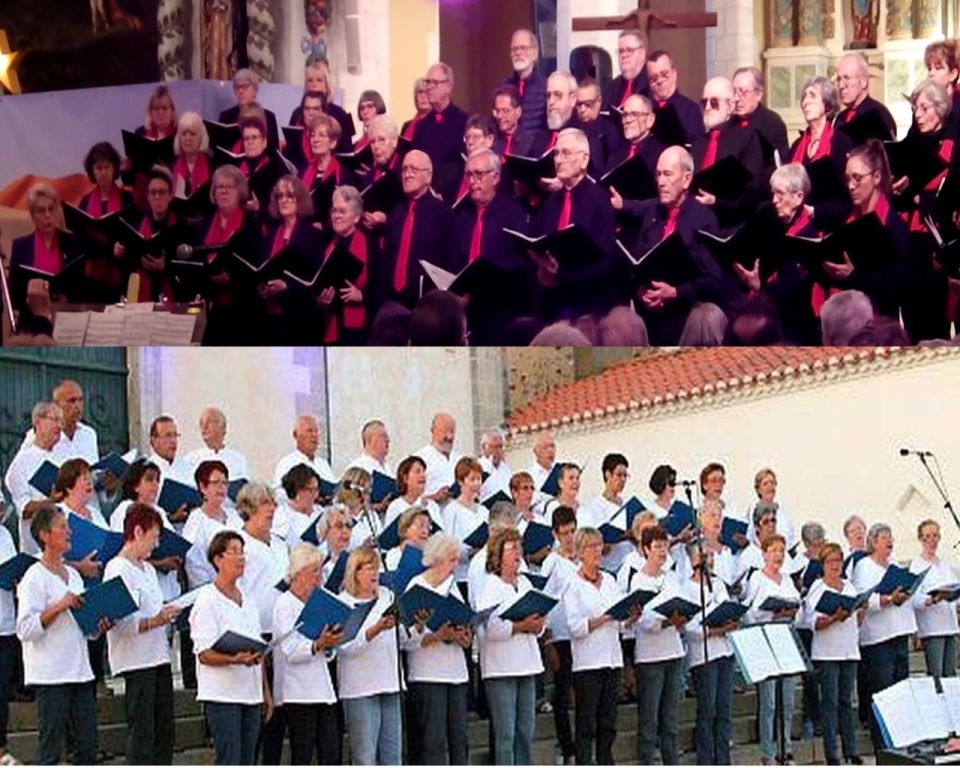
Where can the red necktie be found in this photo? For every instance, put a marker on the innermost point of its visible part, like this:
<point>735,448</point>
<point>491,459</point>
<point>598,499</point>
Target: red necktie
<point>661,104</point>
<point>506,149</point>
<point>438,118</point>
<point>403,256</point>
<point>632,152</point>
<point>553,142</point>
<point>744,123</point>
<point>849,116</point>
<point>566,210</point>
<point>522,87</point>
<point>671,226</point>
<point>627,92</point>
<point>710,154</point>
<point>477,238</point>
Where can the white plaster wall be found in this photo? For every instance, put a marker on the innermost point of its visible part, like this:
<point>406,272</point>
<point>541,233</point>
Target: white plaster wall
<point>834,448</point>
<point>374,52</point>
<point>732,43</point>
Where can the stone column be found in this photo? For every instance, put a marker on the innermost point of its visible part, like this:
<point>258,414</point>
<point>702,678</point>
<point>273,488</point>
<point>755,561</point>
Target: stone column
<point>899,25</point>
<point>926,19</point>
<point>809,22</point>
<point>782,19</point>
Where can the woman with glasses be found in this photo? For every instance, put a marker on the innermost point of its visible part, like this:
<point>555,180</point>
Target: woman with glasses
<point>421,102</point>
<point>207,520</point>
<point>298,511</point>
<point>869,182</point>
<point>317,79</point>
<point>324,173</point>
<point>937,625</point>
<point>260,166</point>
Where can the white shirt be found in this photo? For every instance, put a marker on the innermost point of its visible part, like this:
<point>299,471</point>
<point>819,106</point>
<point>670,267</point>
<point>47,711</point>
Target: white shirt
<point>300,676</point>
<point>235,461</point>
<point>83,444</point>
<point>717,647</point>
<point>839,641</point>
<point>599,649</point>
<point>539,475</point>
<point>8,611</point>
<point>656,642</point>
<point>498,477</point>
<point>199,530</point>
<point>21,469</point>
<point>438,662</point>
<point>368,463</point>
<point>57,654</point>
<point>289,524</point>
<point>761,587</point>
<point>318,464</point>
<point>939,618</point>
<point>461,522</point>
<point>368,668</point>
<point>502,653</point>
<point>400,505</point>
<point>559,572</point>
<point>476,576</point>
<point>213,614</point>
<point>880,624</point>
<point>264,566</point>
<point>177,469</point>
<point>439,468</point>
<point>595,514</point>
<point>169,583</point>
<point>784,524</point>
<point>127,647</point>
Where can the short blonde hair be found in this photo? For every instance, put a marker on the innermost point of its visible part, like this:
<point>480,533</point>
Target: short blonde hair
<point>251,496</point>
<point>642,520</point>
<point>585,536</point>
<point>323,524</point>
<point>354,483</point>
<point>358,558</point>
<point>302,556</point>
<point>407,519</point>
<point>194,121</point>
<point>47,192</point>
<point>439,546</point>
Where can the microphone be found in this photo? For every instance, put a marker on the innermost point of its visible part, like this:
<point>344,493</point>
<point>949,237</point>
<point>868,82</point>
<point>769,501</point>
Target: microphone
<point>184,252</point>
<point>908,451</point>
<point>688,483</point>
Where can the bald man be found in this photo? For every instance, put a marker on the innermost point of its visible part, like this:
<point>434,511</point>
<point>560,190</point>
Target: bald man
<point>306,435</point>
<point>419,228</point>
<point>440,134</point>
<point>853,84</point>
<point>213,433</point>
<point>725,139</point>
<point>440,458</point>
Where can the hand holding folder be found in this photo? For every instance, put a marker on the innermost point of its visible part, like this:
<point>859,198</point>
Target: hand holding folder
<point>109,601</point>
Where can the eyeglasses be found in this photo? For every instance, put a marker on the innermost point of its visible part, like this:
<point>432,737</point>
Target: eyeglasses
<point>431,83</point>
<point>567,154</point>
<point>284,196</point>
<point>158,192</point>
<point>477,175</point>
<point>857,178</point>
<point>585,104</point>
<point>503,111</point>
<point>635,115</point>
<point>625,51</point>
<point>741,92</point>
<point>224,187</point>
<point>659,77</point>
<point>412,169</point>
<point>713,102</point>
<point>520,48</point>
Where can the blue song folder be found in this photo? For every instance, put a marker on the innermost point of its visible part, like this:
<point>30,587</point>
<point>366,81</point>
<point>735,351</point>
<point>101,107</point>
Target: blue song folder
<point>946,592</point>
<point>811,573</point>
<point>113,463</point>
<point>442,609</point>
<point>390,536</point>
<point>897,577</point>
<point>85,537</point>
<point>497,497</point>
<point>233,642</point>
<point>830,602</point>
<point>678,605</point>
<point>851,562</point>
<point>44,478</point>
<point>327,489</point>
<point>774,604</point>
<point>170,545</point>
<point>620,610</point>
<point>382,487</point>
<point>12,570</point>
<point>410,565</point>
<point>727,611</point>
<point>536,536</point>
<point>536,580</point>
<point>324,609</point>
<point>309,534</point>
<point>551,486</point>
<point>335,579</point>
<point>174,494</point>
<point>233,490</point>
<point>529,604</point>
<point>677,519</point>
<point>110,600</point>
<point>478,537</point>
<point>730,528</point>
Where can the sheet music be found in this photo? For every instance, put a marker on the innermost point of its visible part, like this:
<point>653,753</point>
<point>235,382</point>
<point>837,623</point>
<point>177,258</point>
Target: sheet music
<point>754,654</point>
<point>784,647</point>
<point>930,707</point>
<point>137,328</point>
<point>70,328</point>
<point>951,695</point>
<point>896,708</point>
<point>105,330</point>
<point>186,600</point>
<point>440,277</point>
<point>170,330</point>
<point>129,306</point>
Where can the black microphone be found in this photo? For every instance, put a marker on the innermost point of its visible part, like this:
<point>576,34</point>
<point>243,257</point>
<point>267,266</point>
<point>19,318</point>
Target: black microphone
<point>908,451</point>
<point>184,252</point>
<point>688,483</point>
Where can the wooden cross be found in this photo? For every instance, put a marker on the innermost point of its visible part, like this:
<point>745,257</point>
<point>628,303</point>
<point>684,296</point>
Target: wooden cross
<point>644,19</point>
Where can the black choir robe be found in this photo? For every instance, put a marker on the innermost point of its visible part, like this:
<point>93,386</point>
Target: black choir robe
<point>828,211</point>
<point>174,232</point>
<point>790,289</point>
<point>533,100</point>
<point>487,316</point>
<point>886,287</point>
<point>588,289</point>
<point>392,166</point>
<point>869,104</point>
<point>649,148</point>
<point>431,238</point>
<point>22,253</point>
<point>232,116</point>
<point>103,269</point>
<point>604,140</point>
<point>263,181</point>
<point>773,133</point>
<point>665,326</point>
<point>520,144</point>
<point>616,88</point>
<point>440,135</point>
<point>688,111</point>
<point>745,146</point>
<point>313,181</point>
<point>347,129</point>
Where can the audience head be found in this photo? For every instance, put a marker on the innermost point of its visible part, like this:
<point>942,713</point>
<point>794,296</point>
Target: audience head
<point>561,99</point>
<point>748,87</point>
<point>674,175</point>
<point>706,326</point>
<point>438,320</point>
<point>881,332</point>
<point>391,326</point>
<point>717,102</point>
<point>560,334</point>
<point>662,74</point>
<point>622,327</point>
<point>638,118</point>
<point>631,53</point>
<point>843,316</point>
<point>853,79</point>
<point>755,324</point>
<point>102,164</point>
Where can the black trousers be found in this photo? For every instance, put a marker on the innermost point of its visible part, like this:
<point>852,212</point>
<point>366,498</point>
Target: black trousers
<point>439,718</point>
<point>313,731</point>
<point>811,689</point>
<point>562,685</point>
<point>9,652</point>
<point>273,732</point>
<point>148,707</point>
<point>596,714</point>
<point>62,710</point>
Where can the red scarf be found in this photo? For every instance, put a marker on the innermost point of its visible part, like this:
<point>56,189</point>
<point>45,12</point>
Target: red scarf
<point>412,127</point>
<point>192,181</point>
<point>305,145</point>
<point>391,166</point>
<point>147,278</point>
<point>245,166</point>
<point>279,241</point>
<point>627,93</point>
<point>47,259</point>
<point>219,233</point>
<point>363,141</point>
<point>710,153</point>
<point>311,175</point>
<point>94,206</point>
<point>354,315</point>
<point>826,138</point>
<point>915,221</point>
<point>506,146</point>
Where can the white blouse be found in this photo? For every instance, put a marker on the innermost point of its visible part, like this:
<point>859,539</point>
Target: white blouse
<point>369,668</point>
<point>213,614</point>
<point>599,649</point>
<point>169,581</point>
<point>881,624</point>
<point>199,530</point>
<point>559,572</point>
<point>127,647</point>
<point>502,653</point>
<point>300,676</point>
<point>264,566</point>
<point>438,662</point>
<point>939,618</point>
<point>57,654</point>
<point>840,640</point>
<point>656,641</point>
<point>718,647</point>
<point>8,611</point>
<point>463,521</point>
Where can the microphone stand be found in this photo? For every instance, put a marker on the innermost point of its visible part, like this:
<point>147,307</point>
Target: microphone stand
<point>704,577</point>
<point>5,287</point>
<point>941,487</point>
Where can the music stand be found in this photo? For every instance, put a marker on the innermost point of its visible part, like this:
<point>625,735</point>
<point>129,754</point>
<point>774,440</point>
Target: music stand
<point>771,651</point>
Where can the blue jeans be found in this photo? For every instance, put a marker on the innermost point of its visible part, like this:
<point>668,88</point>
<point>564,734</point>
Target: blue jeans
<point>513,703</point>
<point>658,697</point>
<point>374,725</point>
<point>886,663</point>
<point>837,680</point>
<point>235,729</point>
<point>941,655</point>
<point>62,710</point>
<point>714,685</point>
<point>768,700</point>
